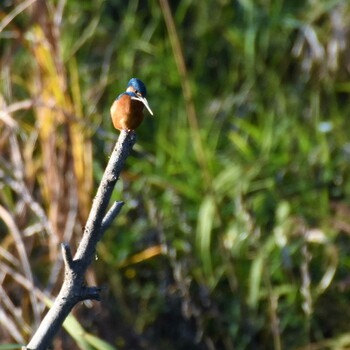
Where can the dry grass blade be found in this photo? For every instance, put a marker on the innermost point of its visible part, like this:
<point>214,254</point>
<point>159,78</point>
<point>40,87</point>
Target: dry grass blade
<point>10,222</point>
<point>66,147</point>
<point>8,120</point>
<point>9,257</point>
<point>23,282</point>
<point>10,326</point>
<point>81,147</point>
<point>13,311</point>
<point>20,8</point>
<point>19,186</point>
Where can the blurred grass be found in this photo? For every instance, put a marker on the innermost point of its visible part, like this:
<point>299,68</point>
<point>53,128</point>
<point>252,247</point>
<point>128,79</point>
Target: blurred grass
<point>235,230</point>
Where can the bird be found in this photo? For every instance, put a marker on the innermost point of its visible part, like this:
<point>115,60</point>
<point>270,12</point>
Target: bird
<point>127,109</point>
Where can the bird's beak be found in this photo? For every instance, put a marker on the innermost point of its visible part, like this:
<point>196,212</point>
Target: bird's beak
<point>144,101</point>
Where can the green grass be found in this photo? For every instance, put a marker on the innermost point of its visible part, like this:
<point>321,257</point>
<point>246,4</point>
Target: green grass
<point>241,177</point>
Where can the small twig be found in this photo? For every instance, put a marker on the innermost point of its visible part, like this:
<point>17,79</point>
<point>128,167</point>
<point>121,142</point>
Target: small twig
<point>73,289</point>
<point>111,215</point>
<point>67,256</point>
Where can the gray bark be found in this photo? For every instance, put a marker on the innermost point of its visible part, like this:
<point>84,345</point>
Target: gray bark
<point>73,289</point>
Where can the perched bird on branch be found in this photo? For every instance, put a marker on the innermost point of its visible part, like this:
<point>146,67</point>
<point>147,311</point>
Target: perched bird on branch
<point>127,109</point>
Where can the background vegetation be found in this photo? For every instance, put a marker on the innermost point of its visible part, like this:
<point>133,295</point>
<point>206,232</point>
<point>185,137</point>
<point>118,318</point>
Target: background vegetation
<point>235,232</point>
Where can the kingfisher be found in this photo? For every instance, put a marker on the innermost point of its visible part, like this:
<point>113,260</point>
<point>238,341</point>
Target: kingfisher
<point>127,109</point>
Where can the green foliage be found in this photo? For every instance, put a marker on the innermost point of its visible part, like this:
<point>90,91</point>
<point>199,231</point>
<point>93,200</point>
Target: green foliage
<point>235,228</point>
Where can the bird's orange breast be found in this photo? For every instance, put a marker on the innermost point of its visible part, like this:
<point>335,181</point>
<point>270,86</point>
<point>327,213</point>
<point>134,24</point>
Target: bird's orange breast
<point>127,114</point>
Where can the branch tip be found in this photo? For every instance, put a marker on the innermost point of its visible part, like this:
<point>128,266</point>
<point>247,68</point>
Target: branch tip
<point>67,255</point>
<point>111,214</point>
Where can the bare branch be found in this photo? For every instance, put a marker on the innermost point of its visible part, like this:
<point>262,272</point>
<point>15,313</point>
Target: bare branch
<point>73,289</point>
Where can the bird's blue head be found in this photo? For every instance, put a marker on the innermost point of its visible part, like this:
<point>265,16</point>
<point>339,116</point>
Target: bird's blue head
<point>137,86</point>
